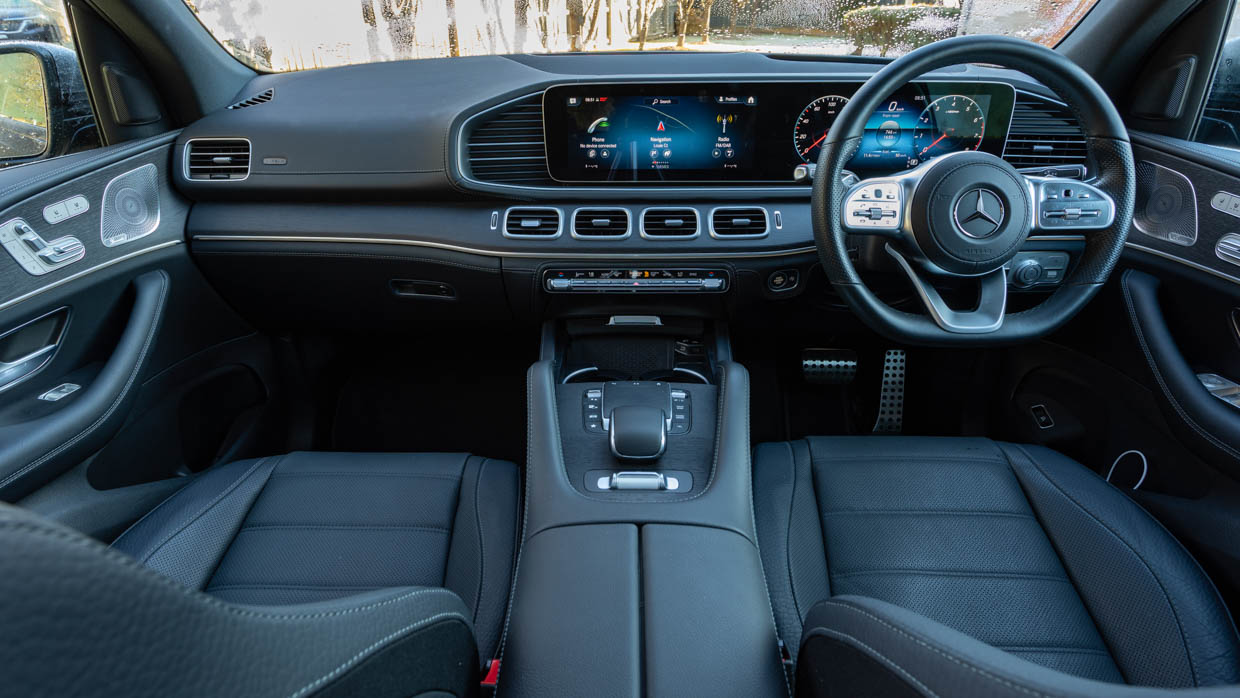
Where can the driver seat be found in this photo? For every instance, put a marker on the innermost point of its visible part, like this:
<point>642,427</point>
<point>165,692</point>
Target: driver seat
<point>964,566</point>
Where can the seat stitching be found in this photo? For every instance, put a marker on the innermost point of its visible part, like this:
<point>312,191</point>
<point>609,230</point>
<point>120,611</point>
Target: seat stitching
<point>343,527</point>
<point>199,597</point>
<point>953,573</point>
<point>377,644</point>
<point>792,498</point>
<point>360,475</point>
<point>883,659</point>
<point>308,587</point>
<point>1162,384</point>
<point>937,650</point>
<point>120,397</point>
<point>482,551</point>
<point>1192,664</point>
<point>207,507</point>
<point>1053,648</point>
<point>926,512</point>
<point>862,460</point>
<point>525,516</point>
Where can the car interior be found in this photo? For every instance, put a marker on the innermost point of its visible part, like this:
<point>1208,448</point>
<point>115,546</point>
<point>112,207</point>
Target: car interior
<point>619,348</point>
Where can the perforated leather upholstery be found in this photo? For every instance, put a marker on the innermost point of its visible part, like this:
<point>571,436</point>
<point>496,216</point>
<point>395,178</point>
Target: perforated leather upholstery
<point>1018,547</point>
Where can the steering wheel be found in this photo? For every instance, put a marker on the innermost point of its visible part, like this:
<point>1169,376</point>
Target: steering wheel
<point>968,213</point>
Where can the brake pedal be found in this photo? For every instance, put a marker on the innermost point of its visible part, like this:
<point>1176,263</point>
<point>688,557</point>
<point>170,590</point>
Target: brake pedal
<point>891,395</point>
<point>829,366</point>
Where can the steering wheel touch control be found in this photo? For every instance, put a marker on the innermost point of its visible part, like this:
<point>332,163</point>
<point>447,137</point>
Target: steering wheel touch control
<point>967,214</point>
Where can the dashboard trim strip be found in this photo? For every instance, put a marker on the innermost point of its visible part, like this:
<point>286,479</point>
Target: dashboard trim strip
<point>700,254</point>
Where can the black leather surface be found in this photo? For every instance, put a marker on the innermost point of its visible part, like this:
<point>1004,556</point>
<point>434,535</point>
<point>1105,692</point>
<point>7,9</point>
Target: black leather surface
<point>1206,423</point>
<point>79,619</point>
<point>309,527</point>
<point>33,452</point>
<point>1021,549</point>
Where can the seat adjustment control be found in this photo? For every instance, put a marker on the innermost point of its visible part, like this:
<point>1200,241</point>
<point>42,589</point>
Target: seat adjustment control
<point>35,254</point>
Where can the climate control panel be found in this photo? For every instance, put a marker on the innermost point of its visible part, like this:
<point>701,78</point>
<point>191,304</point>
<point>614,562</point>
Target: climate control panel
<point>636,280</point>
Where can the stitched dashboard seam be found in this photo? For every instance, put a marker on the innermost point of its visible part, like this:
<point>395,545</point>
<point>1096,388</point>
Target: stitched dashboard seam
<point>360,255</point>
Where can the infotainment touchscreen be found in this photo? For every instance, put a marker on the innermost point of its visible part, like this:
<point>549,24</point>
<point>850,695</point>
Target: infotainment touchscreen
<point>757,132</point>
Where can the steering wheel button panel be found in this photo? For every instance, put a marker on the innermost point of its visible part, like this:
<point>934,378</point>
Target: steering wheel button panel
<point>1070,204</point>
<point>874,205</point>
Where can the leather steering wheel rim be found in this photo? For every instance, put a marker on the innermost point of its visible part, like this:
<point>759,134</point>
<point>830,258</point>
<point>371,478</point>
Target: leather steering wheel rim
<point>1108,149</point>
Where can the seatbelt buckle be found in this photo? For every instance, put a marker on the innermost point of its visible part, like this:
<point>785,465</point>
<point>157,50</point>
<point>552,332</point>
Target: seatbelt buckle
<point>491,679</point>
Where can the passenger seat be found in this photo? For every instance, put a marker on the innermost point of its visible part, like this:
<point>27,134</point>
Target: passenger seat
<point>376,574</point>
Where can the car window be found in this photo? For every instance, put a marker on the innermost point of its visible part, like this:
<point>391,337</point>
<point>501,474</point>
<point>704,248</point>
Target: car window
<point>44,109</point>
<point>295,34</point>
<point>1220,122</point>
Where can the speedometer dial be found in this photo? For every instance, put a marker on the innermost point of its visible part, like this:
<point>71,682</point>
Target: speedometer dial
<point>947,125</point>
<point>813,123</point>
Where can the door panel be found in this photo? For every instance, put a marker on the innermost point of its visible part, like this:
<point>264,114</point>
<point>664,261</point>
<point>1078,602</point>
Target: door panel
<point>170,379</point>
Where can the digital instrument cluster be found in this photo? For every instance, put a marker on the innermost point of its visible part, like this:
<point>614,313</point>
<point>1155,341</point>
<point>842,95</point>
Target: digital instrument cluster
<point>757,132</point>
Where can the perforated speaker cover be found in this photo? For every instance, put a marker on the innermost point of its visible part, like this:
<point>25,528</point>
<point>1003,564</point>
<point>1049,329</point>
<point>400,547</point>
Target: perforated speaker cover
<point>130,206</point>
<point>1166,205</point>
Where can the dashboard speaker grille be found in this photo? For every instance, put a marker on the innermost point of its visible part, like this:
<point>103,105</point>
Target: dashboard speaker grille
<point>738,221</point>
<point>669,223</point>
<point>1043,133</point>
<point>217,159</point>
<point>601,222</point>
<point>507,145</point>
<point>532,222</point>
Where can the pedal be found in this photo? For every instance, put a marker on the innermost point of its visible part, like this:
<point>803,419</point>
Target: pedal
<point>891,395</point>
<point>829,366</point>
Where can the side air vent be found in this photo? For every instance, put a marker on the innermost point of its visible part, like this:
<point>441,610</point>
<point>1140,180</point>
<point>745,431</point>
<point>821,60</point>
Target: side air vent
<point>217,159</point>
<point>664,223</point>
<point>532,222</point>
<point>506,146</point>
<point>260,98</point>
<point>738,222</point>
<point>596,223</point>
<point>1043,133</point>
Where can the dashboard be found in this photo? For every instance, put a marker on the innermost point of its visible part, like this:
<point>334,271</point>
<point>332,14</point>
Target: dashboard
<point>750,132</point>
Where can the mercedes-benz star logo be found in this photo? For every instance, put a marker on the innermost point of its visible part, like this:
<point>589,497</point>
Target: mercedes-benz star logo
<point>979,213</point>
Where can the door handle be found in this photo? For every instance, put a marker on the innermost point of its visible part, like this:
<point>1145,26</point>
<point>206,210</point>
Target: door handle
<point>12,372</point>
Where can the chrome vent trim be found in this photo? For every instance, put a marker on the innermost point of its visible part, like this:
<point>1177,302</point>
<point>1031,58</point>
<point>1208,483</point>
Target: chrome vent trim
<point>1043,132</point>
<point>601,223</point>
<point>217,159</point>
<point>737,222</point>
<point>507,145</point>
<point>533,222</point>
<point>1228,248</point>
<point>655,227</point>
<point>261,98</point>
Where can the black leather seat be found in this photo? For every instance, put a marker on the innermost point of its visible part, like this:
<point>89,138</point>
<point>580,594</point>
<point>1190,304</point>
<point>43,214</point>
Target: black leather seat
<point>374,574</point>
<point>937,565</point>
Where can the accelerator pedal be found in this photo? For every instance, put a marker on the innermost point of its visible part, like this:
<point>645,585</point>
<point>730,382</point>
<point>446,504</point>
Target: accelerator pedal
<point>891,394</point>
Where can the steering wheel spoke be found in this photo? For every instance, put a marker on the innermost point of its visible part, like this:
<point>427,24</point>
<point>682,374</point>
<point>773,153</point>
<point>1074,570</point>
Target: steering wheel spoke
<point>875,206</point>
<point>1064,205</point>
<point>986,317</point>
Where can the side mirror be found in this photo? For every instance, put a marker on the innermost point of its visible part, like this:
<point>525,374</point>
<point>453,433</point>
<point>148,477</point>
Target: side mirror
<point>44,108</point>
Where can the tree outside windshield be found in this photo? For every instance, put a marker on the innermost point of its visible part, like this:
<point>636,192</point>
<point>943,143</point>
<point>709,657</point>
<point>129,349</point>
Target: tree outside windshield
<point>298,34</point>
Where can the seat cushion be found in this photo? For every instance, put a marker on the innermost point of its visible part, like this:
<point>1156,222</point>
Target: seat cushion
<point>1018,547</point>
<point>309,527</point>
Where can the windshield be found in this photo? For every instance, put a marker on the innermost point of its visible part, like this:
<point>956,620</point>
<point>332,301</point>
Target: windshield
<point>297,34</point>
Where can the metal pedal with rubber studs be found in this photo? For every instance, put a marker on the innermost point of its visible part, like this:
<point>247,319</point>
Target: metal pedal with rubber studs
<point>829,366</point>
<point>891,395</point>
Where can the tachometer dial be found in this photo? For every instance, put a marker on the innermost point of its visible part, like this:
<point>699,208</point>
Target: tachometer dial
<point>947,125</point>
<point>813,123</point>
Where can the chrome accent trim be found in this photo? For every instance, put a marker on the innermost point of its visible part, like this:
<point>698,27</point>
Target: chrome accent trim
<point>991,306</point>
<point>628,223</point>
<point>1170,257</point>
<point>37,359</point>
<point>185,158</point>
<point>154,225</point>
<point>690,372</point>
<point>559,226</point>
<point>766,220</point>
<point>84,272</point>
<point>1228,248</point>
<point>701,254</point>
<point>576,373</point>
<point>697,222</point>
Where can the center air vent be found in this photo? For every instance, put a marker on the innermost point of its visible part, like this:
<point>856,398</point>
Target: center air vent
<point>217,159</point>
<point>601,223</point>
<point>532,222</point>
<point>260,98</point>
<point>669,223</point>
<point>506,145</point>
<point>738,222</point>
<point>1043,133</point>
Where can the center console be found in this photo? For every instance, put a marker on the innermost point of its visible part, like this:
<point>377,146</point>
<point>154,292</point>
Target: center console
<point>639,569</point>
